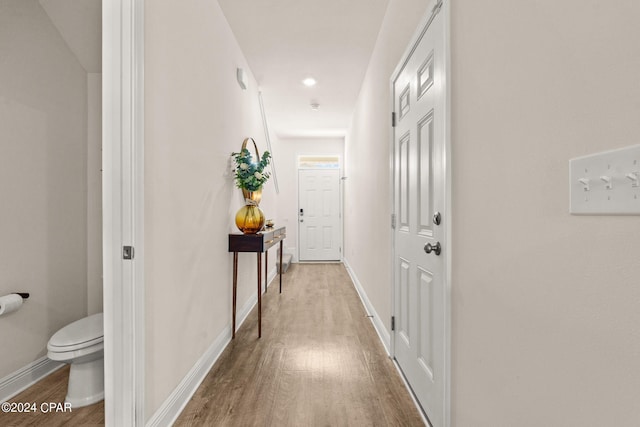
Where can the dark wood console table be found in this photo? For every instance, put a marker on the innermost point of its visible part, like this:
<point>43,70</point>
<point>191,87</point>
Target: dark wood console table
<point>259,243</point>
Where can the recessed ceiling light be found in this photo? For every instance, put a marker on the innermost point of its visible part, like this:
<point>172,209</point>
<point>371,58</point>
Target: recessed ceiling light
<point>309,81</point>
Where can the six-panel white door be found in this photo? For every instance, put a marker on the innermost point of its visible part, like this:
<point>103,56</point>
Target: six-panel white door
<point>419,206</point>
<point>319,214</point>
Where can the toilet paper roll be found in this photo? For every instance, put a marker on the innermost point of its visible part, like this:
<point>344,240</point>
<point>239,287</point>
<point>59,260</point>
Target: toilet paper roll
<point>10,303</point>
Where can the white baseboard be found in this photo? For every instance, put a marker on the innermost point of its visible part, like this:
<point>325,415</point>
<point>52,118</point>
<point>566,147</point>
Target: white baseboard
<point>273,273</point>
<point>378,324</point>
<point>294,253</point>
<point>383,334</point>
<point>171,408</point>
<point>25,377</point>
<point>412,394</point>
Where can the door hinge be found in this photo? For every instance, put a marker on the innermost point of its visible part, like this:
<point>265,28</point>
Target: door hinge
<point>127,252</point>
<point>393,119</point>
<point>393,323</point>
<point>393,221</point>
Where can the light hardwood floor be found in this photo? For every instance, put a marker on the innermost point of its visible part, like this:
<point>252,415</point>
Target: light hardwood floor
<point>52,389</point>
<point>319,363</point>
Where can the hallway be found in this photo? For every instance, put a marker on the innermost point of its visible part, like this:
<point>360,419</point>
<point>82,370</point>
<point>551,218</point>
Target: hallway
<point>319,362</point>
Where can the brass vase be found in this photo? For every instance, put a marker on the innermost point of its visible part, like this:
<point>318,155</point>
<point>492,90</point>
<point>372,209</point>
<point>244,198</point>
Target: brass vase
<point>250,218</point>
<point>254,196</point>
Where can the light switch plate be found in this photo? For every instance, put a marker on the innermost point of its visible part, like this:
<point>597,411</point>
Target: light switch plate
<point>606,183</point>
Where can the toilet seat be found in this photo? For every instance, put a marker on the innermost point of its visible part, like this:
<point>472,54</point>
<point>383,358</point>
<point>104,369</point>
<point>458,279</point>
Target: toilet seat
<point>81,334</point>
<point>81,345</point>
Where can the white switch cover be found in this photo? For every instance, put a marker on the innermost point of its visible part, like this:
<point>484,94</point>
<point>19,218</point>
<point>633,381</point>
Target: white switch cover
<point>606,183</point>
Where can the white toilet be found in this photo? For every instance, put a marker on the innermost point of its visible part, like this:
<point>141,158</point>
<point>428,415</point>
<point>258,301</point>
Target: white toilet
<point>81,344</point>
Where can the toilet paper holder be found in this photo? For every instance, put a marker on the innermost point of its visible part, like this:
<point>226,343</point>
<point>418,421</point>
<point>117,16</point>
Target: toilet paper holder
<point>24,295</point>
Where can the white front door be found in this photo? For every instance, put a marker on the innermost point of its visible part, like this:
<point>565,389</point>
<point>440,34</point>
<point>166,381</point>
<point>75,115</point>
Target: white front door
<point>420,243</point>
<point>319,214</point>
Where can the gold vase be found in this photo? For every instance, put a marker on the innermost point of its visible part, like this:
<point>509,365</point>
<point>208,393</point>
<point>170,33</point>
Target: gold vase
<point>250,218</point>
<point>254,196</point>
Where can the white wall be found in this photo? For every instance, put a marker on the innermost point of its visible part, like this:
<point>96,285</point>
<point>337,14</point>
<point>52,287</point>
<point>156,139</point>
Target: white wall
<point>196,115</point>
<point>545,316</point>
<point>287,152</point>
<point>94,193</point>
<point>367,161</point>
<point>43,186</point>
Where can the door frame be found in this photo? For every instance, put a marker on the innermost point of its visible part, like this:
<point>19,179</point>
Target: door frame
<point>123,210</point>
<point>440,7</point>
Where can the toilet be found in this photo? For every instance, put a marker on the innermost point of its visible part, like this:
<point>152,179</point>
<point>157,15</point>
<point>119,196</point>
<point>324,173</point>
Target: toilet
<point>81,344</point>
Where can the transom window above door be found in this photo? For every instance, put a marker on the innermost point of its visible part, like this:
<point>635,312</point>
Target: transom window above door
<point>318,162</point>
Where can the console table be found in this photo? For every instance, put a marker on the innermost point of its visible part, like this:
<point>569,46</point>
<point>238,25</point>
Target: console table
<point>258,243</point>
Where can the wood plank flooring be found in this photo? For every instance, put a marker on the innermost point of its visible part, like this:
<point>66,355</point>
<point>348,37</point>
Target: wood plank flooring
<point>52,389</point>
<point>319,363</point>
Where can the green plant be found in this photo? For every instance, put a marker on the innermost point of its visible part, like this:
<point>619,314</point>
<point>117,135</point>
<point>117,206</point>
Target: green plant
<point>250,175</point>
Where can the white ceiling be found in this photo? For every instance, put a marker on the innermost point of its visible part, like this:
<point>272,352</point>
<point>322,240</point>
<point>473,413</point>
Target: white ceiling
<point>80,25</point>
<point>286,41</point>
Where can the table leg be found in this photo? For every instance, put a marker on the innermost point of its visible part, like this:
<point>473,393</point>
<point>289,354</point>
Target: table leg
<point>281,266</point>
<point>266,266</point>
<point>259,294</point>
<point>235,289</point>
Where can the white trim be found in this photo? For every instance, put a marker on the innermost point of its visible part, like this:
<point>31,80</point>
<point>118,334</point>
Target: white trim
<point>27,376</point>
<point>421,29</point>
<point>394,214</point>
<point>173,406</point>
<point>383,334</point>
<point>242,315</point>
<point>123,216</point>
<point>272,274</point>
<point>441,7</point>
<point>448,217</point>
<point>411,393</point>
<point>138,212</point>
<point>293,251</point>
<point>378,324</point>
<point>251,302</point>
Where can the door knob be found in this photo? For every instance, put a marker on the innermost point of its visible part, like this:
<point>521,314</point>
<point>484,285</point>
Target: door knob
<point>428,248</point>
<point>437,218</point>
